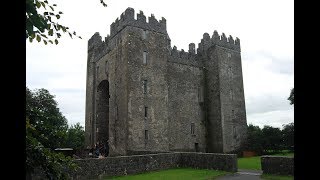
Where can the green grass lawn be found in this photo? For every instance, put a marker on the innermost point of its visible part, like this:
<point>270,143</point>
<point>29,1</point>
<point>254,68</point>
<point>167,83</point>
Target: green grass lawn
<point>180,173</point>
<point>250,163</point>
<point>255,162</point>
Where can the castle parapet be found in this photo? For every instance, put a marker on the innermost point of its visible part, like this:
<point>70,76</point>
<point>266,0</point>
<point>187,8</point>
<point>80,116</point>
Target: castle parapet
<point>182,57</point>
<point>95,40</point>
<point>216,39</point>
<point>97,47</point>
<point>127,19</point>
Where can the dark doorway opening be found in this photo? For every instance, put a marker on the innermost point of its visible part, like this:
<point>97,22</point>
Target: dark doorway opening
<point>196,146</point>
<point>102,112</point>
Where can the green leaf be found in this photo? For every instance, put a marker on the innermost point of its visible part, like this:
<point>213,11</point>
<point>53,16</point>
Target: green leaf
<point>33,35</point>
<point>43,5</point>
<point>58,16</point>
<point>43,35</point>
<point>74,33</point>
<point>50,42</point>
<point>52,14</point>
<point>63,28</point>
<point>50,32</point>
<point>46,1</point>
<point>56,41</point>
<point>29,26</point>
<point>38,22</point>
<point>54,5</point>
<point>38,38</point>
<point>70,35</point>
<point>38,4</point>
<point>49,17</point>
<point>51,8</point>
<point>59,35</point>
<point>45,42</point>
<point>45,13</point>
<point>80,37</point>
<point>30,39</point>
<point>60,12</point>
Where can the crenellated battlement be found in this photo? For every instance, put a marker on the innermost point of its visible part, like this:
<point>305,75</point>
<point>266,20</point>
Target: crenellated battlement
<point>216,39</point>
<point>127,19</point>
<point>95,40</point>
<point>182,57</point>
<point>97,46</point>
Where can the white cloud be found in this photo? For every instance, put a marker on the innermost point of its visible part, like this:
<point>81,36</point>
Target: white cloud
<point>265,29</point>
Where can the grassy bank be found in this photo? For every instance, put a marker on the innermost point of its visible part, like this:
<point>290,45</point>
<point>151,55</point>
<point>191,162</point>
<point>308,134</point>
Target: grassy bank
<point>180,173</point>
<point>255,162</point>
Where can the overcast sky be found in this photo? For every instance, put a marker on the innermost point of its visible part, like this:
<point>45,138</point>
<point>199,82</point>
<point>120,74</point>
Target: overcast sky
<point>265,29</point>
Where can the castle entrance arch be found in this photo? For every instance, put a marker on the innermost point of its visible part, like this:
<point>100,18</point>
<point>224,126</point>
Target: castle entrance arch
<point>102,112</point>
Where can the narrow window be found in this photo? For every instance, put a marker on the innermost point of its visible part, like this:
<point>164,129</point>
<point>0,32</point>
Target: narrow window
<point>229,55</point>
<point>233,115</point>
<point>116,113</point>
<point>192,128</point>
<point>200,94</point>
<point>231,94</point>
<point>97,72</point>
<point>97,129</point>
<point>144,57</point>
<point>146,134</point>
<point>234,132</point>
<point>144,86</point>
<point>145,111</point>
<point>144,34</point>
<point>230,72</point>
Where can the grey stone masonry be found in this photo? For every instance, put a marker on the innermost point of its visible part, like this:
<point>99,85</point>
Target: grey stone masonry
<point>125,165</point>
<point>281,165</point>
<point>143,95</point>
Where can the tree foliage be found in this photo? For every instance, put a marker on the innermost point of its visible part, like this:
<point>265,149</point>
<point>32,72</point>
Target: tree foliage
<point>75,137</point>
<point>41,22</point>
<point>46,129</point>
<point>272,139</point>
<point>288,136</point>
<point>254,139</point>
<point>46,118</point>
<point>291,97</point>
<point>269,139</point>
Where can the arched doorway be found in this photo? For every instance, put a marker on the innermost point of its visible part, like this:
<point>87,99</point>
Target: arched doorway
<point>102,112</point>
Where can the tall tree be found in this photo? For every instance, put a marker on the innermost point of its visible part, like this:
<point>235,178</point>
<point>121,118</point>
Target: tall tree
<point>272,139</point>
<point>46,130</point>
<point>288,136</point>
<point>291,97</point>
<point>254,139</point>
<point>75,137</point>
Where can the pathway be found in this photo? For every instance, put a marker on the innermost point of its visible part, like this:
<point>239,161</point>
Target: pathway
<point>243,174</point>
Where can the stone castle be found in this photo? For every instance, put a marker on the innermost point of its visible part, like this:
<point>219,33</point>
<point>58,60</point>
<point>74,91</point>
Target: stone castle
<point>144,96</point>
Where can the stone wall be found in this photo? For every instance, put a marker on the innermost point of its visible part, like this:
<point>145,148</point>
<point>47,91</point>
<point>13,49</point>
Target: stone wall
<point>281,165</point>
<point>184,85</point>
<point>123,165</point>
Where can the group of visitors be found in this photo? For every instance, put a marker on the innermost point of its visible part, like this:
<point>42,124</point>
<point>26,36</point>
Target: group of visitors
<point>99,150</point>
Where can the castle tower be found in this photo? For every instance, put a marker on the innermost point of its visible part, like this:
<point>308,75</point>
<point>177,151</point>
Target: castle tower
<point>126,100</point>
<point>224,95</point>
